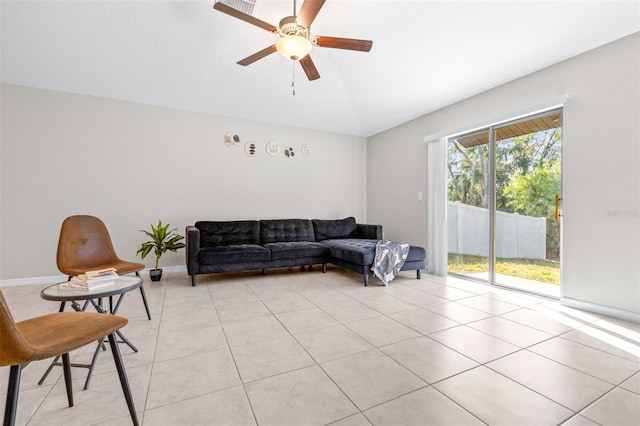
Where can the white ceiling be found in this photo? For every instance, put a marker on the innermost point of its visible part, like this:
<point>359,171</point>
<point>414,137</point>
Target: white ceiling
<point>183,54</point>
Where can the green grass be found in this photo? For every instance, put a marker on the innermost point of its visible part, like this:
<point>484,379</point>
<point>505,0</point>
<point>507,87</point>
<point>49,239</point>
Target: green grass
<point>545,271</point>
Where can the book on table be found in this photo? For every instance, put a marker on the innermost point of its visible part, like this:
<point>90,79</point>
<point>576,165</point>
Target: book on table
<point>94,279</point>
<point>85,286</point>
<point>100,274</point>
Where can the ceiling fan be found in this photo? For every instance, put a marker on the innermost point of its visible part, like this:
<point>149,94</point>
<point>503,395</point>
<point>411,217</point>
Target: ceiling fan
<point>296,41</point>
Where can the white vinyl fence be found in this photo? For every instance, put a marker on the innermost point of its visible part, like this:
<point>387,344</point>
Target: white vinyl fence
<point>517,236</point>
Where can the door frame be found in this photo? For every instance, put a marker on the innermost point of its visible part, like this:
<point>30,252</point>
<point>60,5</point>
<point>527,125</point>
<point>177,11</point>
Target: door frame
<point>491,196</point>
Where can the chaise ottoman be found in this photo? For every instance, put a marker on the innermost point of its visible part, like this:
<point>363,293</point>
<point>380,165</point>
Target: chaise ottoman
<point>357,255</point>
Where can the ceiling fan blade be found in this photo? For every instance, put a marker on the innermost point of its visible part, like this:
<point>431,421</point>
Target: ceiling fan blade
<point>243,16</point>
<point>258,55</point>
<point>308,12</point>
<point>309,68</point>
<point>344,43</point>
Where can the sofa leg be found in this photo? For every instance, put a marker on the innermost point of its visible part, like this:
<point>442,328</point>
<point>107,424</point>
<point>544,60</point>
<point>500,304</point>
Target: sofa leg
<point>264,272</point>
<point>418,274</point>
<point>193,280</point>
<point>366,279</point>
<point>324,268</point>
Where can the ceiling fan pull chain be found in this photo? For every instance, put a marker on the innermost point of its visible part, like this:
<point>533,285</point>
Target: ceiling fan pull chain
<point>293,78</point>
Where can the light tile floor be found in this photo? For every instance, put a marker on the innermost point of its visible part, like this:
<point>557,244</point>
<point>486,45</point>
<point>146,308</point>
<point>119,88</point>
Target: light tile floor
<point>307,348</point>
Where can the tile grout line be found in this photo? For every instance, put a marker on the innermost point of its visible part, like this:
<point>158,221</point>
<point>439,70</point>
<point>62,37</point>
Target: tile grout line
<point>244,388</point>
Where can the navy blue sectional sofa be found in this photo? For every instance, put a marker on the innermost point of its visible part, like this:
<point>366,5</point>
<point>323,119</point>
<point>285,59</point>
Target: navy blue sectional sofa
<point>244,245</point>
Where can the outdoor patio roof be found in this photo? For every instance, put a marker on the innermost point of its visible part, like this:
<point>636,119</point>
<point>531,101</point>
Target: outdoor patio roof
<point>523,127</point>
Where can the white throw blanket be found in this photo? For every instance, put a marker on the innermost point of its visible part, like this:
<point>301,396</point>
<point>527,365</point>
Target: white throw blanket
<point>390,257</point>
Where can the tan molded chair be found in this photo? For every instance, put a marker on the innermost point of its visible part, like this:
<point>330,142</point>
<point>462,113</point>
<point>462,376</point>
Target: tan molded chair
<point>85,245</point>
<point>51,335</point>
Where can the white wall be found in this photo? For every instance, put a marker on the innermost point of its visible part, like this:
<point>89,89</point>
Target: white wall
<point>132,164</point>
<point>601,168</point>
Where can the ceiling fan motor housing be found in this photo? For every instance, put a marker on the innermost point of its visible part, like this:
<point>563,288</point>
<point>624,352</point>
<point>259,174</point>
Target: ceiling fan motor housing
<point>289,26</point>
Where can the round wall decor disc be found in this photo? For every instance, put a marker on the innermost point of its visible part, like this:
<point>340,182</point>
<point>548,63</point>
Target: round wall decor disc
<point>272,149</point>
<point>231,139</point>
<point>251,149</point>
<point>289,152</point>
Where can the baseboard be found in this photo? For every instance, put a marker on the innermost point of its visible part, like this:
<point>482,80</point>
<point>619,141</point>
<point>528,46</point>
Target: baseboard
<point>52,279</point>
<point>17,282</point>
<point>600,309</point>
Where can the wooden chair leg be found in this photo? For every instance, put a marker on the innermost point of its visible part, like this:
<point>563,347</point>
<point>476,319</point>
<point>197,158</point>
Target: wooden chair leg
<point>66,367</point>
<point>144,298</point>
<point>117,358</point>
<point>13,389</point>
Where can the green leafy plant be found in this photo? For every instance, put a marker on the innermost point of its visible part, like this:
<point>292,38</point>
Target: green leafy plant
<point>162,240</point>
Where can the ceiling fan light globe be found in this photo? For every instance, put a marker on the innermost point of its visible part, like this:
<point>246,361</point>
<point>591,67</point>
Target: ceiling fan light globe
<point>293,47</point>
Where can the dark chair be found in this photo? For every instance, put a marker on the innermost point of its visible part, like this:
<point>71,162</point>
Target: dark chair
<point>85,245</point>
<point>52,335</point>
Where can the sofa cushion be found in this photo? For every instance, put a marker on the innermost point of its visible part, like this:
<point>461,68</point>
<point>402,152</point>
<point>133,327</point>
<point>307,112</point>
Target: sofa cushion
<point>285,230</point>
<point>235,253</point>
<point>353,250</point>
<point>297,249</point>
<point>339,228</point>
<point>228,232</point>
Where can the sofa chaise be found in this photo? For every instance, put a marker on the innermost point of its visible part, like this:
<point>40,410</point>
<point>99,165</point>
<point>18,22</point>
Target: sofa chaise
<point>244,245</point>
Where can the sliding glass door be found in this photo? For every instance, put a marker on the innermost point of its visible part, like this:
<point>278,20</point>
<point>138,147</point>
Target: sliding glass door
<point>503,203</point>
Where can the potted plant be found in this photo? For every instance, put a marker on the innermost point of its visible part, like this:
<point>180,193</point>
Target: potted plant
<point>162,239</point>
